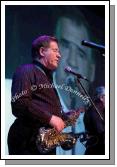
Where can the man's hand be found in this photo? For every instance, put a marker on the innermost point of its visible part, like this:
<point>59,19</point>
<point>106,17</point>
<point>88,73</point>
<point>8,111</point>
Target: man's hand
<point>57,123</point>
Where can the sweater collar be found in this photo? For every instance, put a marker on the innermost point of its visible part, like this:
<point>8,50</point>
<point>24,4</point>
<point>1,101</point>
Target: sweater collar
<point>47,71</point>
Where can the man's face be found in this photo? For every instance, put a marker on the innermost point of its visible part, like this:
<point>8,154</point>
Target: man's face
<point>102,98</point>
<point>70,36</point>
<point>51,56</point>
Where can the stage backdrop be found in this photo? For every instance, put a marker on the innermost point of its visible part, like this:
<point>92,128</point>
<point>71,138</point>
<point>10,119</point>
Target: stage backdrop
<point>24,23</point>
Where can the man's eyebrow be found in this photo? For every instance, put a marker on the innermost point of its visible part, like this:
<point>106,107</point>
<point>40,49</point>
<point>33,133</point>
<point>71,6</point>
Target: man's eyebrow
<point>57,49</point>
<point>80,49</point>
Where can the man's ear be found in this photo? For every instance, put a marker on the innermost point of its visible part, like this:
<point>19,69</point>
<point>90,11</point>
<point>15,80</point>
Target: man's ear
<point>101,98</point>
<point>41,51</point>
<point>92,72</point>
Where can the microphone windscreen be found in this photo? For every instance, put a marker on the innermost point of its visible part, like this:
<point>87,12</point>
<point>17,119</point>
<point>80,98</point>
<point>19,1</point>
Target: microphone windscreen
<point>67,69</point>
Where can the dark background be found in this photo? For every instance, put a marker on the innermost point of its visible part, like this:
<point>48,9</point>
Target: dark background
<point>25,23</point>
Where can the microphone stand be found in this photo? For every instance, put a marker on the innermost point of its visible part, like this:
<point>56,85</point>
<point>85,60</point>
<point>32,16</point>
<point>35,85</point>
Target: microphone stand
<point>73,103</point>
<point>90,99</point>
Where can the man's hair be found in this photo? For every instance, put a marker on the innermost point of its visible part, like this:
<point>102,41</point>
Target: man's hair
<point>73,13</point>
<point>41,41</point>
<point>100,91</point>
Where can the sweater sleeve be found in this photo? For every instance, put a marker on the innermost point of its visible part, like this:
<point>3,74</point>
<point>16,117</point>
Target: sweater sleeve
<point>93,122</point>
<point>23,105</point>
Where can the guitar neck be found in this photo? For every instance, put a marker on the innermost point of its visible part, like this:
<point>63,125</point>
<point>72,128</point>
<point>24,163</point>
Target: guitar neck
<point>71,119</point>
<point>72,116</point>
<point>83,135</point>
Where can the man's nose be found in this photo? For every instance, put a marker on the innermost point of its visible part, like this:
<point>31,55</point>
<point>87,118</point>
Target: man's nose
<point>58,55</point>
<point>72,59</point>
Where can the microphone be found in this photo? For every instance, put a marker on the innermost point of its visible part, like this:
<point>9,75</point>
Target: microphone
<point>69,70</point>
<point>70,81</point>
<point>93,45</point>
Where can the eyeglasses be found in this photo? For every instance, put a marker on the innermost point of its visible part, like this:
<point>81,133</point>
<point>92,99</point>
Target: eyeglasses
<point>55,50</point>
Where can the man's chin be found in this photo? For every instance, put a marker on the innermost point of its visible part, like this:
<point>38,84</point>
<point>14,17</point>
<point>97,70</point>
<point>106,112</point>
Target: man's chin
<point>56,66</point>
<point>53,67</point>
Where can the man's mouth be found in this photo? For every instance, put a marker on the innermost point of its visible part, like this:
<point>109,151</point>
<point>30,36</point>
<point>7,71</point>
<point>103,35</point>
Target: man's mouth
<point>57,61</point>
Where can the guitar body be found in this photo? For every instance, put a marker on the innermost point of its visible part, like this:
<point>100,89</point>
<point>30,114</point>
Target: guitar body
<point>47,139</point>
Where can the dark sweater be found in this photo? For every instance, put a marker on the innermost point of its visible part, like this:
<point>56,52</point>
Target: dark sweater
<point>34,101</point>
<point>96,127</point>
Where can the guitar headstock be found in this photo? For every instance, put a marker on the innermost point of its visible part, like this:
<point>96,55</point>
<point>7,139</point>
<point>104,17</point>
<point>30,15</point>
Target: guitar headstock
<point>73,115</point>
<point>76,112</point>
<point>80,110</point>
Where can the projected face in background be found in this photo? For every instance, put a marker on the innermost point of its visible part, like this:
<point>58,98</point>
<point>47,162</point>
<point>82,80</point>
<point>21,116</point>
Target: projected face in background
<point>70,34</point>
<point>75,55</point>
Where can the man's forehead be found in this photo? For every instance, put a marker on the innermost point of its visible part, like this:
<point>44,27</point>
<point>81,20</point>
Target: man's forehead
<point>72,32</point>
<point>53,44</point>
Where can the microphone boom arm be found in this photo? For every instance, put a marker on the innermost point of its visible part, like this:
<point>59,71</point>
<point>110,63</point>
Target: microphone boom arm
<point>90,99</point>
